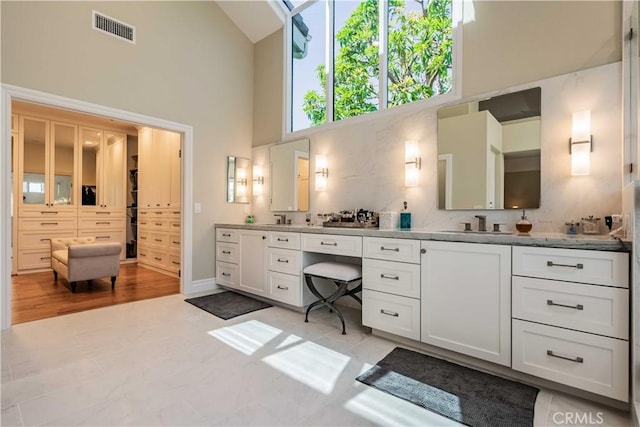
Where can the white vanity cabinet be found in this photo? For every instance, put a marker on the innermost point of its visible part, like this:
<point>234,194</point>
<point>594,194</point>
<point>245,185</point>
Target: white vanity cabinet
<point>227,257</point>
<point>571,318</point>
<point>284,268</point>
<point>466,299</point>
<point>391,286</point>
<point>252,245</point>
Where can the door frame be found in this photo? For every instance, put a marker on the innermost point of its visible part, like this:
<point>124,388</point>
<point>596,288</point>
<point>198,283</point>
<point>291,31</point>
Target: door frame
<point>9,93</point>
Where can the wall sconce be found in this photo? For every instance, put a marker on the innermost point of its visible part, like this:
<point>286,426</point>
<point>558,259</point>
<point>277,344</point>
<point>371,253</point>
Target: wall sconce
<point>581,143</point>
<point>242,182</point>
<point>322,172</point>
<point>258,180</point>
<point>412,163</point>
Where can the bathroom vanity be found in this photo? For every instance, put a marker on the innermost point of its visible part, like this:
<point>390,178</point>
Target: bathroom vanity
<point>552,307</point>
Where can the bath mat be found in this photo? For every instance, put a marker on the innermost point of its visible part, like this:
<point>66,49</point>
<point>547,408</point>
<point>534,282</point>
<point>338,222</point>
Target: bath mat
<point>227,305</point>
<point>459,393</point>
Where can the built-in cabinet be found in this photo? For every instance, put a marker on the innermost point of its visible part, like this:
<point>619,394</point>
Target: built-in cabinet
<point>158,199</point>
<point>466,299</point>
<point>284,268</point>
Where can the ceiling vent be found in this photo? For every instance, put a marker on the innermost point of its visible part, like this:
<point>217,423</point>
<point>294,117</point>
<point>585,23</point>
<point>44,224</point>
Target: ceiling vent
<point>113,27</point>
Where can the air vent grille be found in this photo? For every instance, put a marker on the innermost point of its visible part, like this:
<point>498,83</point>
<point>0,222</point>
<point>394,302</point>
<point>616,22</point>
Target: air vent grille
<point>113,27</point>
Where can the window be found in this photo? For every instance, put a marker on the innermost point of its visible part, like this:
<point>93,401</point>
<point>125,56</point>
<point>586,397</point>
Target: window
<point>337,51</point>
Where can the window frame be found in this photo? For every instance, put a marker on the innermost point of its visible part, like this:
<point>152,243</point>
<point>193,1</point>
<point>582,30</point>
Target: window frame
<point>383,110</point>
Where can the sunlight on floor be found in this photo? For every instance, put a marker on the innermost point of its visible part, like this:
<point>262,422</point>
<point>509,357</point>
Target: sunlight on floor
<point>384,409</point>
<point>247,337</point>
<point>311,364</point>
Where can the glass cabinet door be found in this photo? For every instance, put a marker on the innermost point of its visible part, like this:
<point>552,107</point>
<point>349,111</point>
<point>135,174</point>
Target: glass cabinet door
<point>35,134</point>
<point>63,153</point>
<point>91,141</point>
<point>114,185</point>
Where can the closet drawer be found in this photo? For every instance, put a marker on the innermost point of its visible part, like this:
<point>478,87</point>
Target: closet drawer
<point>226,235</point>
<point>284,260</point>
<point>46,224</point>
<point>227,252</point>
<point>158,240</point>
<point>100,213</point>
<point>47,212</point>
<point>173,263</point>
<point>34,259</point>
<point>174,225</point>
<point>227,274</point>
<point>589,362</point>
<point>573,265</point>
<point>284,288</point>
<point>332,244</point>
<point>392,277</point>
<point>174,242</point>
<point>102,224</point>
<point>403,250</point>
<point>391,313</point>
<point>40,241</point>
<point>588,308</point>
<point>283,240</point>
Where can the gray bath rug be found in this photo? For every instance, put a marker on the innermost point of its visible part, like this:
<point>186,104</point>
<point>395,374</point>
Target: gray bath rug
<point>227,305</point>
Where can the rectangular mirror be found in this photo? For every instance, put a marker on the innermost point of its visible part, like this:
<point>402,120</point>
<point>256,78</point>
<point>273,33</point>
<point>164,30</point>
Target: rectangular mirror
<point>489,153</point>
<point>290,176</point>
<point>238,179</point>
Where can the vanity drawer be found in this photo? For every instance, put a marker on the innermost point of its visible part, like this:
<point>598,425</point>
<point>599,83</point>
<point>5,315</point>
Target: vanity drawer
<point>283,240</point>
<point>392,277</point>
<point>226,235</point>
<point>332,244</point>
<point>589,362</point>
<point>227,252</point>
<point>589,308</point>
<point>403,250</point>
<point>573,265</point>
<point>227,274</point>
<point>391,313</point>
<point>284,260</point>
<point>284,288</point>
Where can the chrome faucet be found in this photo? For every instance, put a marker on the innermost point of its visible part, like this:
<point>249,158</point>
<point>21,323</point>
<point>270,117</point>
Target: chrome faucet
<point>482,222</point>
<point>282,218</point>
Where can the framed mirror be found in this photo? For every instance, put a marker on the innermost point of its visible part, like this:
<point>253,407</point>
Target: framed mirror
<point>489,153</point>
<point>290,176</point>
<point>238,179</point>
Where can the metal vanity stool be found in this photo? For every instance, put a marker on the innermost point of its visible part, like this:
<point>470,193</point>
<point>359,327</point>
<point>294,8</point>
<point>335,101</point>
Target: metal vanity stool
<point>347,278</point>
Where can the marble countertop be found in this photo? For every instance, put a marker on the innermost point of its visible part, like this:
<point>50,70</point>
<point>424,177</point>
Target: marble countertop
<point>551,240</point>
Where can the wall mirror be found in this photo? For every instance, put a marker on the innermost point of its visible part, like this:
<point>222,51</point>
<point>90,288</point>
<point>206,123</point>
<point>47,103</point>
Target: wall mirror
<point>290,176</point>
<point>489,153</point>
<point>238,179</point>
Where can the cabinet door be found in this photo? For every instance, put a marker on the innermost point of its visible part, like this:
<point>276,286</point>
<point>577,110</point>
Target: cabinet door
<point>162,168</point>
<point>34,156</point>
<point>89,170</point>
<point>63,162</point>
<point>466,299</point>
<point>252,245</point>
<point>175,160</point>
<point>114,176</point>
<point>145,167</point>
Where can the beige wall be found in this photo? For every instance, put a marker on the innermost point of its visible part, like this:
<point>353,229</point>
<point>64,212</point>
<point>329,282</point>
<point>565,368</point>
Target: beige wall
<point>190,65</point>
<point>505,43</point>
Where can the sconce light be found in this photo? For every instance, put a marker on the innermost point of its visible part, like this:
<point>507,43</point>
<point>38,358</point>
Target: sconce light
<point>412,163</point>
<point>242,182</point>
<point>258,180</point>
<point>322,172</point>
<point>581,143</point>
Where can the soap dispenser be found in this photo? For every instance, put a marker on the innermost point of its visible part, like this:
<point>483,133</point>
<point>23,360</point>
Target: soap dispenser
<point>405,217</point>
<point>523,225</point>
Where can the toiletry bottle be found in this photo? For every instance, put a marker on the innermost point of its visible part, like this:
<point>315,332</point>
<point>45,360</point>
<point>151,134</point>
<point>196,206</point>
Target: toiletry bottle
<point>405,217</point>
<point>523,225</point>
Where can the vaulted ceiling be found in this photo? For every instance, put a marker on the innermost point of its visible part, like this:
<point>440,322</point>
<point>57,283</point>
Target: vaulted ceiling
<point>256,18</point>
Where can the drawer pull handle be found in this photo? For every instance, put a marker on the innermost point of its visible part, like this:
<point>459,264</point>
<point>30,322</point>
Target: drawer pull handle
<point>177,243</point>
<point>142,254</point>
<point>175,262</point>
<point>103,213</point>
<point>576,359</point>
<point>577,306</point>
<point>176,225</point>
<point>389,313</point>
<point>224,252</point>
<point>42,258</point>
<point>553,264</point>
<point>329,244</point>
<point>45,240</point>
<point>157,258</point>
<point>103,222</point>
<point>158,224</point>
<point>48,223</point>
<point>384,276</point>
<point>286,261</point>
<point>49,212</point>
<point>143,238</point>
<point>226,235</point>
<point>382,248</point>
<point>226,274</point>
<point>102,237</point>
<point>158,240</point>
<point>282,240</point>
<point>284,288</point>
<point>158,213</point>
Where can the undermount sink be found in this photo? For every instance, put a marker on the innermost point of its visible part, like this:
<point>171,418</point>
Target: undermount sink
<point>506,233</point>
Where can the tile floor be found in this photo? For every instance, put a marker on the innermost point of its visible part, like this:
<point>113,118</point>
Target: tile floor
<point>165,362</point>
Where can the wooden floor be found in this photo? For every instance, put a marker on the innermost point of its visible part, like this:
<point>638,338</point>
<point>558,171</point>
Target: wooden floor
<point>37,296</point>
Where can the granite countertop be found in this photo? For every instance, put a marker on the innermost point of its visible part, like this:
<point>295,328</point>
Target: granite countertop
<point>550,240</point>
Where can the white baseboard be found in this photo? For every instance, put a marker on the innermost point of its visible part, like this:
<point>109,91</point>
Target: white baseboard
<point>201,286</point>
